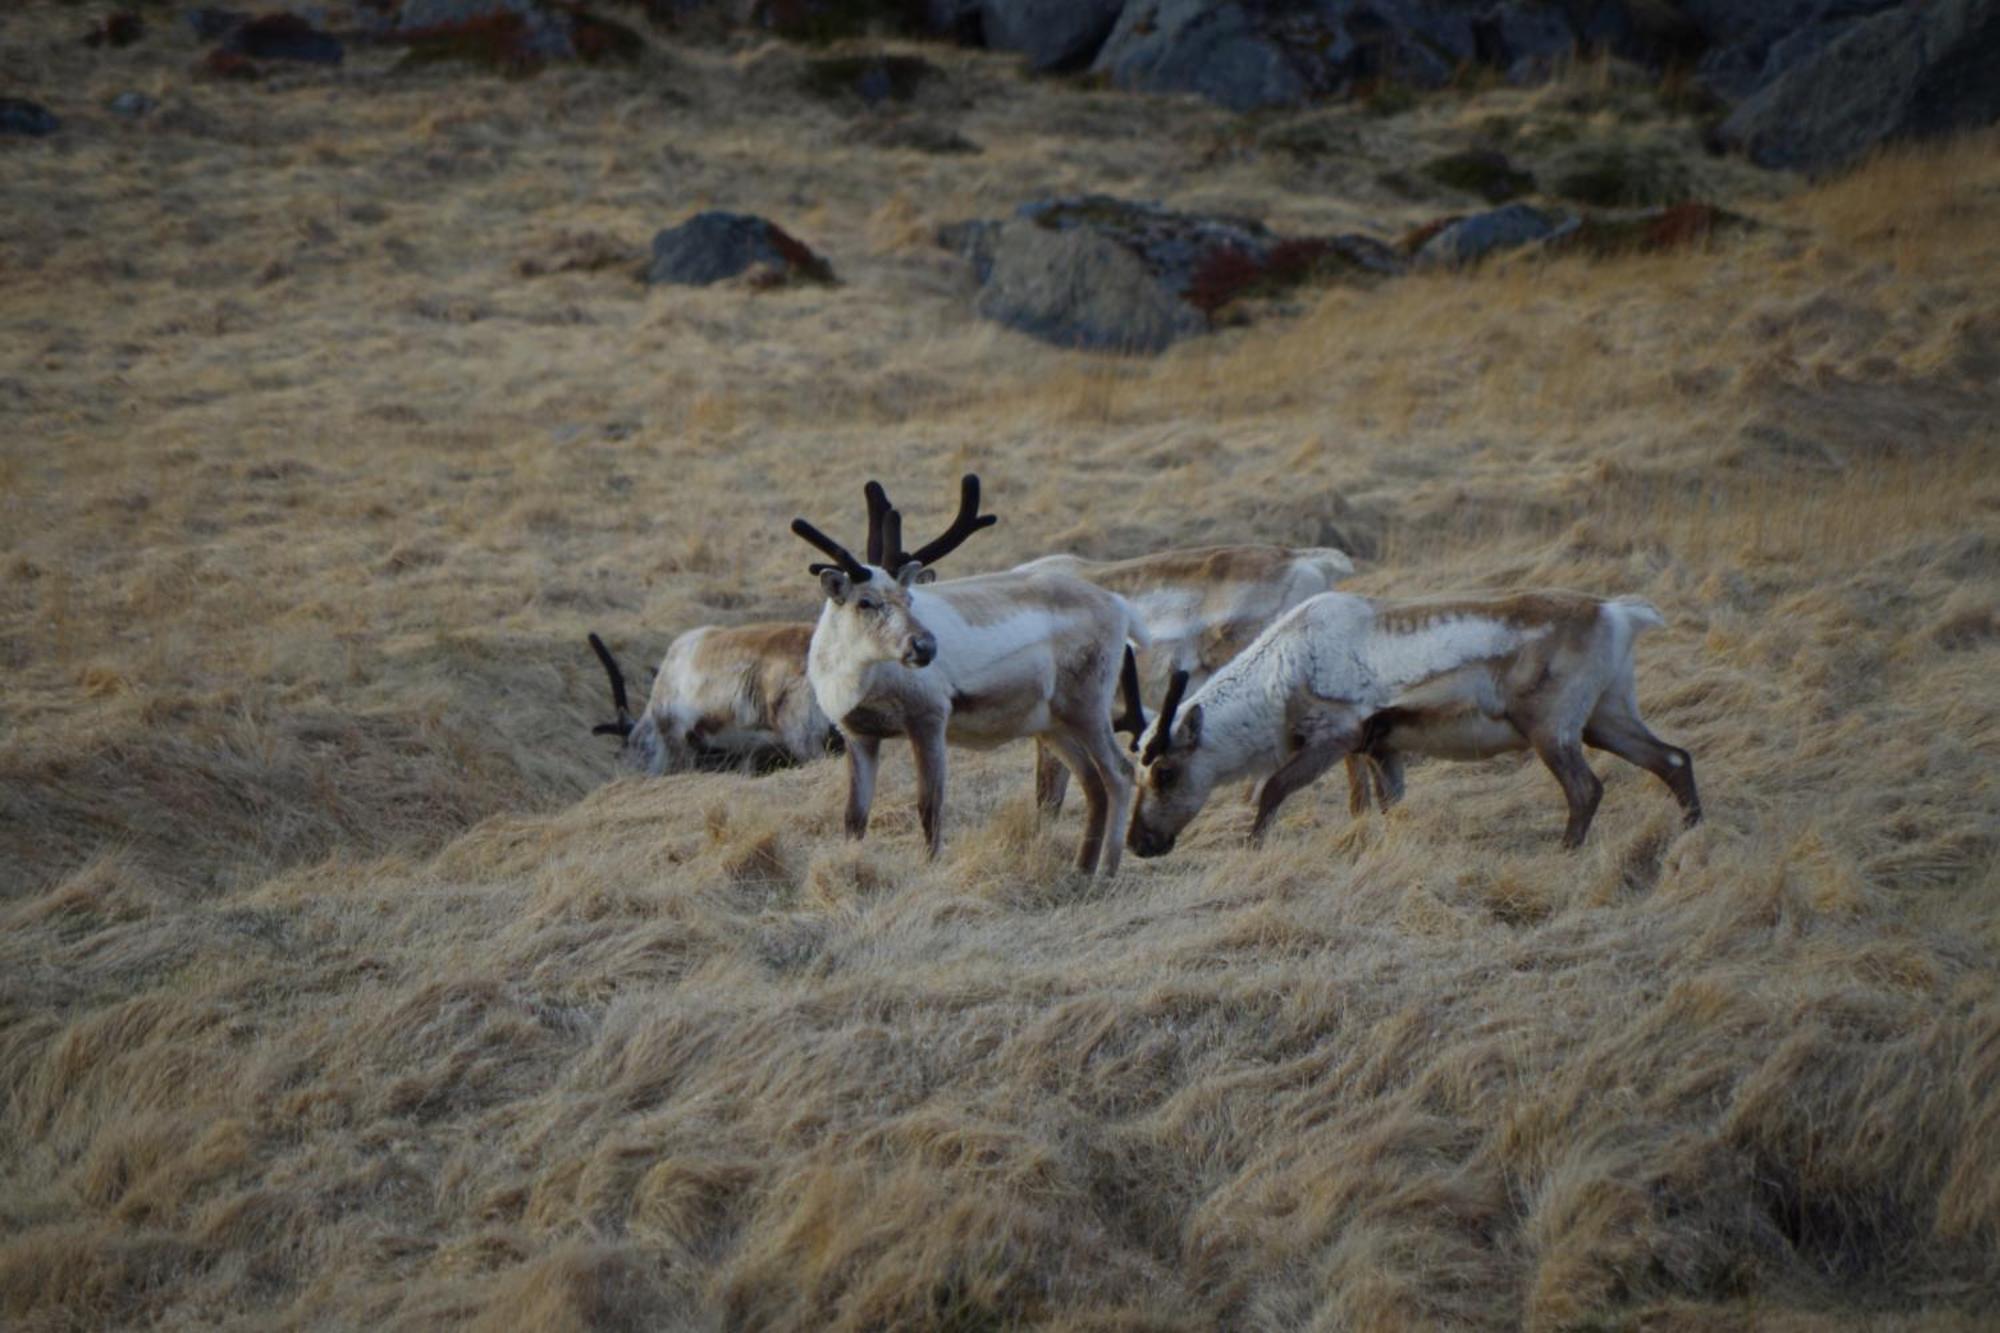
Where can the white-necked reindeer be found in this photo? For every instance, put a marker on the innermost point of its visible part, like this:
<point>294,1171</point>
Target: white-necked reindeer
<point>1463,679</point>
<point>1201,606</point>
<point>975,662</point>
<point>723,697</point>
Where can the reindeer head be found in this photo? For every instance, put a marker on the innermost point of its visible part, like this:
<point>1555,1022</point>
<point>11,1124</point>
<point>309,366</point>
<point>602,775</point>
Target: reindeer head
<point>1175,775</point>
<point>868,616</point>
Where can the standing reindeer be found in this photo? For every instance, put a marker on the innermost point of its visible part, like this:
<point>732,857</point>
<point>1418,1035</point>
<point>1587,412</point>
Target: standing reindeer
<point>1463,679</point>
<point>724,696</point>
<point>974,662</point>
<point>1200,605</point>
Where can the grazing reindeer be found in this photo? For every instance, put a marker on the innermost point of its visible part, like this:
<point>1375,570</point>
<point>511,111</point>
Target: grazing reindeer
<point>1201,606</point>
<point>974,662</point>
<point>724,696</point>
<point>1458,679</point>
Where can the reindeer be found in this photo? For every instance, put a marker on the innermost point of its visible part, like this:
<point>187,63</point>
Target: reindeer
<point>1201,606</point>
<point>974,662</point>
<point>723,697</point>
<point>1462,679</point>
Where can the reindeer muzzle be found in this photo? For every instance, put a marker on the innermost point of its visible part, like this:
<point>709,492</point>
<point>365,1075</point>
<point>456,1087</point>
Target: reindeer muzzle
<point>922,651</point>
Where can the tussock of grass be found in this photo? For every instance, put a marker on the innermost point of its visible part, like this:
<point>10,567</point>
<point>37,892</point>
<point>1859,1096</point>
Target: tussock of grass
<point>339,987</point>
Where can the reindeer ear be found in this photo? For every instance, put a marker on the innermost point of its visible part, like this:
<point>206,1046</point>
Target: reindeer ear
<point>927,576</point>
<point>836,585</point>
<point>1191,726</point>
<point>913,573</point>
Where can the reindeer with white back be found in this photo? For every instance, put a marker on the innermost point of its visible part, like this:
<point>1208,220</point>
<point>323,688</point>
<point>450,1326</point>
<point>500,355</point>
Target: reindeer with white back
<point>1465,679</point>
<point>1201,606</point>
<point>723,696</point>
<point>974,662</point>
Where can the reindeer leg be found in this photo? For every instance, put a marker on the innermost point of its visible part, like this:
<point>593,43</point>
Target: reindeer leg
<point>863,753</point>
<point>1363,784</point>
<point>1096,814</point>
<point>1312,759</point>
<point>1615,728</point>
<point>1581,787</point>
<point>1114,774</point>
<point>927,745</point>
<point>1051,780</point>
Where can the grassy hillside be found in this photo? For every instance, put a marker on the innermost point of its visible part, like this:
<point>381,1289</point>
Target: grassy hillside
<point>341,985</point>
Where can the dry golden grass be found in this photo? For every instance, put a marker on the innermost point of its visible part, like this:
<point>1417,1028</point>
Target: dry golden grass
<point>338,988</point>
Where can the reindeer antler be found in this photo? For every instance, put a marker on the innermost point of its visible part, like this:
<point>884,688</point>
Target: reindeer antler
<point>1176,687</point>
<point>842,556</point>
<point>1133,719</point>
<point>878,505</point>
<point>969,521</point>
<point>894,557</point>
<point>623,726</point>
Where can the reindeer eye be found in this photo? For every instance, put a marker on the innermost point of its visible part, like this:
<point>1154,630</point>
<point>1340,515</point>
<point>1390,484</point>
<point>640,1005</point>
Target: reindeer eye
<point>869,604</point>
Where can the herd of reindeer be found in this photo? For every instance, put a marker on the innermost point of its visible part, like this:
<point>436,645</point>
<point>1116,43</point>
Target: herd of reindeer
<point>1259,669</point>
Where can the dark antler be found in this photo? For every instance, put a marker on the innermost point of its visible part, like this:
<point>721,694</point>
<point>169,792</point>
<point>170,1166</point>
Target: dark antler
<point>969,521</point>
<point>878,505</point>
<point>623,726</point>
<point>1133,719</point>
<point>842,556</point>
<point>894,557</point>
<point>1168,707</point>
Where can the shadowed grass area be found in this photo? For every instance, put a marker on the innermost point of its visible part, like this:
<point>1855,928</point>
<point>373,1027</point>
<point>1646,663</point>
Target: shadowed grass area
<point>340,986</point>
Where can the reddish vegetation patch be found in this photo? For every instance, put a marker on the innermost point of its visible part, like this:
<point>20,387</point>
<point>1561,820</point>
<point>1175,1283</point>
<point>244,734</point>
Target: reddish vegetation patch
<point>121,29</point>
<point>798,255</point>
<point>1230,274</point>
<point>1222,277</point>
<point>1414,239</point>
<point>600,39</point>
<point>498,41</point>
<point>228,65</point>
<point>1673,228</point>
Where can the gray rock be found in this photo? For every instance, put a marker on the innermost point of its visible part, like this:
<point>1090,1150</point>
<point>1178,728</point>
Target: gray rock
<point>1527,39</point>
<point>1259,54</point>
<point>1754,41</point>
<point>1471,239</point>
<point>1113,273</point>
<point>131,104</point>
<point>1052,34</point>
<point>20,116</point>
<point>1077,288</point>
<point>1907,73</point>
<point>710,247</point>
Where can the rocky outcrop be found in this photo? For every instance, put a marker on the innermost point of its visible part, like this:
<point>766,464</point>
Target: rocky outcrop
<point>1249,55</point>
<point>1098,272</point>
<point>1077,288</point>
<point>1908,73</point>
<point>283,37</point>
<point>20,116</point>
<point>711,247</point>
<point>1467,240</point>
<point>1052,34</point>
<point>1751,42</point>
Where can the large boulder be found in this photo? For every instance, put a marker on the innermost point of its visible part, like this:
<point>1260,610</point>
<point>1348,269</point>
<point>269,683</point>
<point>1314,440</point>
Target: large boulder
<point>1752,42</point>
<point>1052,34</point>
<point>1468,240</point>
<point>1077,288</point>
<point>1907,73</point>
<point>516,36</point>
<point>20,116</point>
<point>710,247</point>
<point>283,37</point>
<point>1094,271</point>
<point>1248,54</point>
